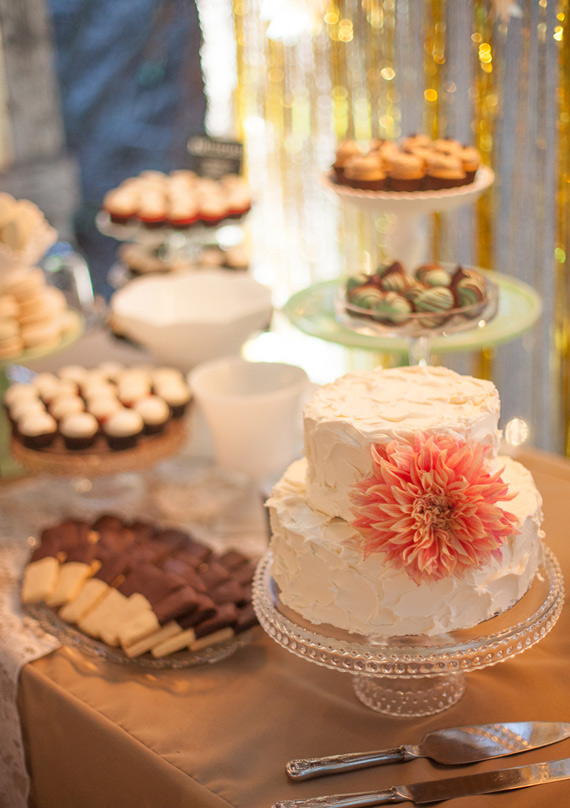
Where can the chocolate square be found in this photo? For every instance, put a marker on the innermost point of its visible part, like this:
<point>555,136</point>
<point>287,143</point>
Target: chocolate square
<point>225,617</point>
<point>152,582</point>
<point>179,603</point>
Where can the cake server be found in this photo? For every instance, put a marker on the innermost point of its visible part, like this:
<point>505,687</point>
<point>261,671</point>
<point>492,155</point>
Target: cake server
<point>454,746</point>
<point>438,790</point>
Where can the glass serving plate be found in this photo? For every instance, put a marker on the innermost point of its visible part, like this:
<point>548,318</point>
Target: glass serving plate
<point>71,637</point>
<point>419,328</point>
<point>414,676</point>
<point>313,310</point>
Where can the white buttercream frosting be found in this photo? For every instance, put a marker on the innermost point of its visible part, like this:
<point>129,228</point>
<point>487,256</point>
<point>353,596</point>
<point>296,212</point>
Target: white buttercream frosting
<point>319,566</point>
<point>343,418</point>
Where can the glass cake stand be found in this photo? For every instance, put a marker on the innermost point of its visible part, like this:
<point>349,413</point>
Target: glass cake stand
<point>407,212</point>
<point>315,311</point>
<point>101,477</point>
<point>414,676</point>
<point>419,328</point>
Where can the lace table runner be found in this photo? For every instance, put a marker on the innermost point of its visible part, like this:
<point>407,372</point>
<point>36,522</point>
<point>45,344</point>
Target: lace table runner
<point>21,640</point>
<point>220,508</point>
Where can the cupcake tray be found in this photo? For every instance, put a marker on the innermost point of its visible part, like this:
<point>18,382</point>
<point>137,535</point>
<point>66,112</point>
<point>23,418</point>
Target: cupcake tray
<point>411,202</point>
<point>100,460</point>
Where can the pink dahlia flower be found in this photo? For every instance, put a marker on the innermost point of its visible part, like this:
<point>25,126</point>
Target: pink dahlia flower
<point>431,507</point>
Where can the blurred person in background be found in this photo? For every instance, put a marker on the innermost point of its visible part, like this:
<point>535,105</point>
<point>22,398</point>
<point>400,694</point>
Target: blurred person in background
<point>132,93</point>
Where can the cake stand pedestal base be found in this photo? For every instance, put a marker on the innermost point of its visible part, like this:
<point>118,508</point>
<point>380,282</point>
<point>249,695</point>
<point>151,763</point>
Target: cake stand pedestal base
<point>413,676</point>
<point>409,697</point>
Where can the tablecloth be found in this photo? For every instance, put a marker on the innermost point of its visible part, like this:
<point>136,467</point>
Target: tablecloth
<point>219,736</point>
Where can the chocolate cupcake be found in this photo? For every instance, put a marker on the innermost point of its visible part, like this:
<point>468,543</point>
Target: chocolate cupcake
<point>366,173</point>
<point>177,396</point>
<point>406,172</point>
<point>470,160</point>
<point>154,412</point>
<point>23,407</point>
<point>123,429</point>
<point>444,171</point>
<point>79,430</point>
<point>38,430</point>
<point>63,405</point>
<point>344,153</point>
<point>103,407</point>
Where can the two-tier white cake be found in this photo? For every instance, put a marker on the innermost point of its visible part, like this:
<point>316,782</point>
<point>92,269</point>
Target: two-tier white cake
<point>428,532</point>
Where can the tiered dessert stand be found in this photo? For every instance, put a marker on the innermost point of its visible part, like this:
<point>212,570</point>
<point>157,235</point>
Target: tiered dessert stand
<point>407,213</point>
<point>414,676</point>
<point>511,308</point>
<point>167,243</point>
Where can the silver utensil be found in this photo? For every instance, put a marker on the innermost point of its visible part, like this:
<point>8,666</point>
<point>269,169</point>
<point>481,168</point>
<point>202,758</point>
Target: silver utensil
<point>437,790</point>
<point>453,747</point>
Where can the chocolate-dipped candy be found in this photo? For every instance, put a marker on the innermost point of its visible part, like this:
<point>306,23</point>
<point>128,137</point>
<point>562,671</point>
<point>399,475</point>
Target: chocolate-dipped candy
<point>356,281</point>
<point>470,291</point>
<point>433,275</point>
<point>37,430</point>
<point>79,430</point>
<point>365,297</point>
<point>434,300</point>
<point>392,308</point>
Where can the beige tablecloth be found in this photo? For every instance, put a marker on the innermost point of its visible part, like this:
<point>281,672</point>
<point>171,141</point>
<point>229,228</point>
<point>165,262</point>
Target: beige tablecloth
<point>97,734</point>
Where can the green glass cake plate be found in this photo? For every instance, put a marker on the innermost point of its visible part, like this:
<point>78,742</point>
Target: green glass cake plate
<point>314,311</point>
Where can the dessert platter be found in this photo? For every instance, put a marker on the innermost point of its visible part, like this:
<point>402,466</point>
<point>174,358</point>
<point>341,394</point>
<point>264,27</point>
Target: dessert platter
<point>407,181</point>
<point>99,427</point>
<point>403,547</point>
<point>173,215</point>
<point>319,310</point>
<point>133,592</point>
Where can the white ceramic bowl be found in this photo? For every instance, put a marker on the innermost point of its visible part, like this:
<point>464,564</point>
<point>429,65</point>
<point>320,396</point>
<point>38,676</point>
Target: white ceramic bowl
<point>188,318</point>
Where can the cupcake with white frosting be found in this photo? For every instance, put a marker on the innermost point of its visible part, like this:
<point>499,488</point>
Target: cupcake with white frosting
<point>79,430</point>
<point>123,429</point>
<point>177,396</point>
<point>154,412</point>
<point>37,430</point>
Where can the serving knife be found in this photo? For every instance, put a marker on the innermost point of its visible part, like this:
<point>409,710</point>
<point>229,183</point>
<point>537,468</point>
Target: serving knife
<point>454,746</point>
<point>438,790</point>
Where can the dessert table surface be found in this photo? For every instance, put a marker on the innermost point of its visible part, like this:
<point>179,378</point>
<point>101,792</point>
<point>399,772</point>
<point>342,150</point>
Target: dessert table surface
<point>217,736</point>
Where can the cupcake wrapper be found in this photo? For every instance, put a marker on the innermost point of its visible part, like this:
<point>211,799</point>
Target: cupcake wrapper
<point>38,441</point>
<point>410,185</point>
<point>367,185</point>
<point>77,444</point>
<point>123,442</point>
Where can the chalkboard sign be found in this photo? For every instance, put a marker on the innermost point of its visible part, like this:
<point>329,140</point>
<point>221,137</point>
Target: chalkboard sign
<point>213,157</point>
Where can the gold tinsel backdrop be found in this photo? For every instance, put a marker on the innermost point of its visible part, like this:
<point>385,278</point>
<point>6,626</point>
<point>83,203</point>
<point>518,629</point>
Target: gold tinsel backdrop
<point>493,74</point>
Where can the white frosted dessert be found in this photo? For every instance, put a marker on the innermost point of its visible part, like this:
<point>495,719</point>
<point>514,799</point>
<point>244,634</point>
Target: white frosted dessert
<point>328,556</point>
<point>320,569</point>
<point>343,418</point>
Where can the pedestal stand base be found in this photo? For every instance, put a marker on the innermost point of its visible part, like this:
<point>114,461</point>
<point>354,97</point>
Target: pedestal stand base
<point>409,697</point>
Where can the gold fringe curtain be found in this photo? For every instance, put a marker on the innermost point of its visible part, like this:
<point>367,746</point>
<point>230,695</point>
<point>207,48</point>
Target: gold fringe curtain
<point>320,70</point>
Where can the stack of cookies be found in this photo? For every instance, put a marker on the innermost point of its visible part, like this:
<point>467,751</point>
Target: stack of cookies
<point>33,315</point>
